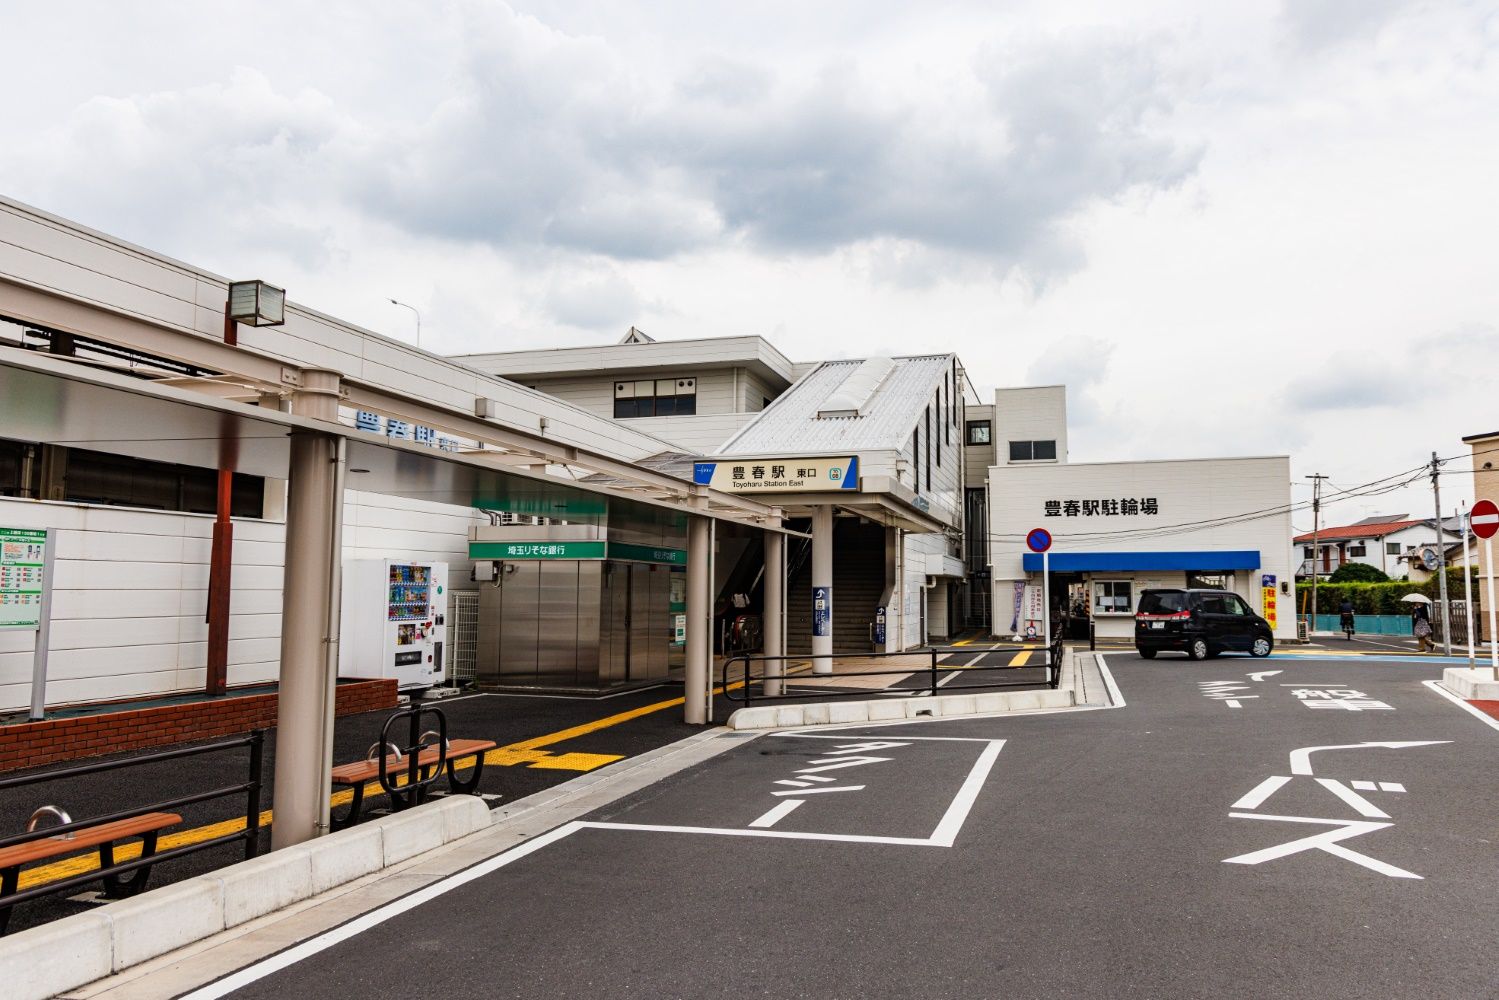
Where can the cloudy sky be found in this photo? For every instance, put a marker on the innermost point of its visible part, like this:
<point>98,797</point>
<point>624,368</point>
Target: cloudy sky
<point>1246,228</point>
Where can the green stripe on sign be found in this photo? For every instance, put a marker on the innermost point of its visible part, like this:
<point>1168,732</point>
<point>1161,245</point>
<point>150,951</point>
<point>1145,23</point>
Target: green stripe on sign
<point>536,550</point>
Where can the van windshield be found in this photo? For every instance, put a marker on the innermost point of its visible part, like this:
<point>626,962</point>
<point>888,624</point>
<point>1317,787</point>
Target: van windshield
<point>1162,602</point>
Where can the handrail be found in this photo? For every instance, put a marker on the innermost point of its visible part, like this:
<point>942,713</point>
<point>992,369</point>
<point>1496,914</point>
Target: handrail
<point>1054,652</point>
<point>109,871</point>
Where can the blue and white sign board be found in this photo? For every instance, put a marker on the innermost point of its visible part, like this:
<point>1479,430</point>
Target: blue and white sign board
<point>822,610</point>
<point>879,625</point>
<point>779,475</point>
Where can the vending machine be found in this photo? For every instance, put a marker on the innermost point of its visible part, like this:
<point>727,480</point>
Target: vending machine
<point>394,621</point>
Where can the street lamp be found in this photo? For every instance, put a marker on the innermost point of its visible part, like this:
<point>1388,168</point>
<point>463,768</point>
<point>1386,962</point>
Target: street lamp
<point>418,319</point>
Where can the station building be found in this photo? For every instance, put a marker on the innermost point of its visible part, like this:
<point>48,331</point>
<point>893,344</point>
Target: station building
<point>851,505</point>
<point>1118,527</point>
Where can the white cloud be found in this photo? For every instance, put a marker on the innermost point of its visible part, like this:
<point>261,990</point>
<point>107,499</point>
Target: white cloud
<point>1233,229</point>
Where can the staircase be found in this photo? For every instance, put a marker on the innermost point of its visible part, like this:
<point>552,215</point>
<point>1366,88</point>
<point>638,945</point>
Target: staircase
<point>858,583</point>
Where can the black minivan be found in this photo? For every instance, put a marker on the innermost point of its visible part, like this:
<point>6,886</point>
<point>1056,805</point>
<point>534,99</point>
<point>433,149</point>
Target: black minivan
<point>1200,623</point>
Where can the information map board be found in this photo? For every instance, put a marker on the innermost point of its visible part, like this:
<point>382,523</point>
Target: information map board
<point>23,557</point>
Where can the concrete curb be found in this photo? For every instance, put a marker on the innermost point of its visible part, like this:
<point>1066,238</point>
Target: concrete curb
<point>889,709</point>
<point>44,961</point>
<point>1471,684</point>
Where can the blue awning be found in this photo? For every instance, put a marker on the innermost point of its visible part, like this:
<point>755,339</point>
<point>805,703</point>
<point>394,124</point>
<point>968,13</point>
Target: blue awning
<point>1126,562</point>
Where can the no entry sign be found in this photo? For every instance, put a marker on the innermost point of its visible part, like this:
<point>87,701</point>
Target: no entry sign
<point>1485,518</point>
<point>1039,539</point>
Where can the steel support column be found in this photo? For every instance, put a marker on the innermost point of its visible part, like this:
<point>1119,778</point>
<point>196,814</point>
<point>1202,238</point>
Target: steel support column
<point>309,619</point>
<point>822,589</point>
<point>699,621</point>
<point>220,569</point>
<point>775,605</point>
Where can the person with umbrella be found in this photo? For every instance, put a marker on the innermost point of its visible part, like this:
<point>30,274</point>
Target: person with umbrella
<point>1421,622</point>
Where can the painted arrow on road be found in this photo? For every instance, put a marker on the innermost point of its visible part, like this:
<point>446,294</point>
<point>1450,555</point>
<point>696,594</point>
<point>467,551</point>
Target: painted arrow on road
<point>1261,675</point>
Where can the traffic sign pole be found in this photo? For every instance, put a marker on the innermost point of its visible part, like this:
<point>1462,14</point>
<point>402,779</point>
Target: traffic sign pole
<point>1488,560</point>
<point>1039,540</point>
<point>1484,520</point>
<point>1046,599</point>
<point>1466,528</point>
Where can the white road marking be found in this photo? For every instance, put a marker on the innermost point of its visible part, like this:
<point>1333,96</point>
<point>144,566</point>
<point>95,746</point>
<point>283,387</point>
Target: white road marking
<point>1327,841</point>
<point>1301,760</point>
<point>1487,720</point>
<point>839,838</point>
<point>374,918</point>
<point>819,791</point>
<point>867,747</point>
<point>1261,792</point>
<point>795,784</point>
<point>947,830</point>
<point>1360,805</point>
<point>1233,703</point>
<point>944,836</point>
<point>776,814</point>
<point>1391,786</point>
<point>1260,675</point>
<point>1364,786</point>
<point>836,763</point>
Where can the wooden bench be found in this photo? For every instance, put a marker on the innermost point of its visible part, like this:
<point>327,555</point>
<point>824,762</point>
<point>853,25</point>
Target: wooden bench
<point>359,774</point>
<point>104,836</point>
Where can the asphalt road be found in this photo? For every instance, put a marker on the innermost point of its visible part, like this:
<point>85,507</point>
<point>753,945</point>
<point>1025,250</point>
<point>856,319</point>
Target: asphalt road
<point>1175,847</point>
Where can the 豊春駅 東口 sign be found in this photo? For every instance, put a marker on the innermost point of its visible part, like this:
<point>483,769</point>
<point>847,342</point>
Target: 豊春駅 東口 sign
<point>778,475</point>
<point>23,557</point>
<point>1104,507</point>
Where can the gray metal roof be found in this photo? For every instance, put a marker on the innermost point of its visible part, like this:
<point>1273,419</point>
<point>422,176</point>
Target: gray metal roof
<point>886,420</point>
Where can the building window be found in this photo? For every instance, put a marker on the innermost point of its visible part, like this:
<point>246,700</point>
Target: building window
<point>1307,552</point>
<point>662,397</point>
<point>916,459</point>
<point>1357,551</point>
<point>927,424</point>
<point>940,421</point>
<point>1392,548</point>
<point>95,477</point>
<point>1033,451</point>
<point>1210,581</point>
<point>1113,597</point>
<point>978,432</point>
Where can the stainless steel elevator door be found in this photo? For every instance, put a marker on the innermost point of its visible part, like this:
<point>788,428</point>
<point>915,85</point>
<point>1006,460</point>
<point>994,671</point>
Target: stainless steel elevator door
<point>557,637</point>
<point>519,630</point>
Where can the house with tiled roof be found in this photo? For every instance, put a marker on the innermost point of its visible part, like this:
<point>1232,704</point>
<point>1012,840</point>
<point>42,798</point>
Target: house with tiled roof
<point>1381,542</point>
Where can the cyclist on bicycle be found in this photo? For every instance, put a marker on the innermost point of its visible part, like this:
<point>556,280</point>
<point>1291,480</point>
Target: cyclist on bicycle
<point>1345,610</point>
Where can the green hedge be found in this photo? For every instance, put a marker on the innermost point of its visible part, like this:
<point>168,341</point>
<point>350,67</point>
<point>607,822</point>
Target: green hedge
<point>1380,598</point>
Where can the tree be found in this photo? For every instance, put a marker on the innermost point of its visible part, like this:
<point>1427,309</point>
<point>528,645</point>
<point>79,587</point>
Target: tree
<point>1358,573</point>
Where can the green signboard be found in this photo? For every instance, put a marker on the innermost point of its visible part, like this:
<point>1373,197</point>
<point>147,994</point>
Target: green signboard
<point>647,553</point>
<point>536,550</point>
<point>23,556</point>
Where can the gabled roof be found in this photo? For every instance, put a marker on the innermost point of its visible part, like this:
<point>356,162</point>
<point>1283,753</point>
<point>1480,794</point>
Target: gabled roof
<point>1360,530</point>
<point>882,418</point>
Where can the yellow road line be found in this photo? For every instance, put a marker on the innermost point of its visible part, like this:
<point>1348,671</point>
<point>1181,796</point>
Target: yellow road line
<point>524,752</point>
<point>1021,658</point>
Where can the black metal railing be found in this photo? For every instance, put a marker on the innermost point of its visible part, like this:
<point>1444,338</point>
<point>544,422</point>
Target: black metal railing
<point>109,871</point>
<point>419,776</point>
<point>738,686</point>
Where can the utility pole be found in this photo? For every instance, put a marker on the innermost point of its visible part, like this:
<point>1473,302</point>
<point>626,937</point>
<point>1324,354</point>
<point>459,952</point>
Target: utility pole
<point>1436,492</point>
<point>1316,549</point>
